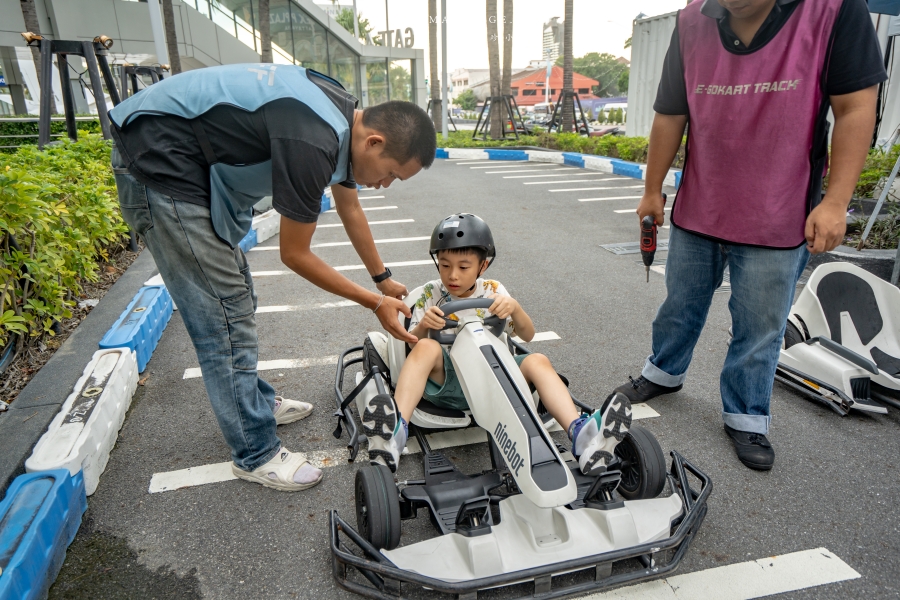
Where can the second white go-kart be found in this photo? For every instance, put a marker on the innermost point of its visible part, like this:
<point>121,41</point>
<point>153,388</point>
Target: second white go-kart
<point>531,516</point>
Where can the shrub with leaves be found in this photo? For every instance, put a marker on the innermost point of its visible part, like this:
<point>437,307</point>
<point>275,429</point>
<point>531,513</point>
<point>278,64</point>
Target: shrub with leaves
<point>58,214</point>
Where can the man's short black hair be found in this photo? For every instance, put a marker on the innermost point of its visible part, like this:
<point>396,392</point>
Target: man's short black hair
<point>407,129</point>
<point>478,251</point>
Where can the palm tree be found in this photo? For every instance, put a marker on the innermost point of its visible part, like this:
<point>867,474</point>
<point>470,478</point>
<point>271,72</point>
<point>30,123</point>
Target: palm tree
<point>437,111</point>
<point>265,36</point>
<point>171,37</point>
<point>494,65</point>
<point>568,105</point>
<point>29,13</point>
<point>507,47</point>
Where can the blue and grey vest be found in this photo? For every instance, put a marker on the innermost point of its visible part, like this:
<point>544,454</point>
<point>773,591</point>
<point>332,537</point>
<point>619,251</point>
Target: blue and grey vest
<point>234,189</point>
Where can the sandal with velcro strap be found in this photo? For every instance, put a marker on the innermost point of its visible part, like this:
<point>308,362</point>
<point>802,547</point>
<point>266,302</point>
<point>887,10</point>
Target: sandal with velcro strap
<point>278,473</point>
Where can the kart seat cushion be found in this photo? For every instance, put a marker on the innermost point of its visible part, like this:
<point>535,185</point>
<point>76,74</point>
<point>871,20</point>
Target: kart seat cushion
<point>886,362</point>
<point>844,292</point>
<point>439,411</point>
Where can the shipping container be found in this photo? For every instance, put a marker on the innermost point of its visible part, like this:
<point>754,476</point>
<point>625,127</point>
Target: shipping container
<point>649,41</point>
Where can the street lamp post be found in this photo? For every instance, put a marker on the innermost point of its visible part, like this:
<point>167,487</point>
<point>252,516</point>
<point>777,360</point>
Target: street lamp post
<point>547,78</point>
<point>445,106</point>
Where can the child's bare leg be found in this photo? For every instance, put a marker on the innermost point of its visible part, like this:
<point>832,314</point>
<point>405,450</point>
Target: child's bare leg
<point>553,392</point>
<point>425,361</point>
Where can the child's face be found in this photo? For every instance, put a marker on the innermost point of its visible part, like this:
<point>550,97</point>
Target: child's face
<point>459,272</point>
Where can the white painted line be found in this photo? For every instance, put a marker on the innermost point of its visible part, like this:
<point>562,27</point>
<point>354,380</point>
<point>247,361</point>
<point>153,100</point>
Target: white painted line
<point>322,459</point>
<point>369,197</point>
<point>269,365</point>
<point>608,187</point>
<point>743,581</point>
<point>329,244</point>
<point>520,171</point>
<point>367,208</point>
<point>405,263</point>
<point>297,308</point>
<point>609,198</point>
<point>521,163</point>
<point>487,162</point>
<point>572,181</point>
<point>390,222</point>
<point>632,210</point>
<point>532,176</point>
<point>384,241</point>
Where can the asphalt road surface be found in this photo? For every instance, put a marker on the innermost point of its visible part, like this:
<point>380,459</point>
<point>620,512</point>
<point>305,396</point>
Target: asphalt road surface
<point>835,484</point>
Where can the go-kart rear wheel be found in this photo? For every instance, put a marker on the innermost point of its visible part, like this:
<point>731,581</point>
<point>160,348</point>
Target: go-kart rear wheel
<point>643,465</point>
<point>378,506</point>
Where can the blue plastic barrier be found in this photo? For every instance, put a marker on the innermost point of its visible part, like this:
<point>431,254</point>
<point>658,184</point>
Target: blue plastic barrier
<point>141,325</point>
<point>506,154</point>
<point>38,520</point>
<point>441,153</point>
<point>326,201</point>
<point>573,160</point>
<point>620,167</point>
<point>678,175</point>
<point>249,240</point>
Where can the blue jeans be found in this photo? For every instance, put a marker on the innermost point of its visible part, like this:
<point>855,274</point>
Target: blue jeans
<point>211,285</point>
<point>763,282</point>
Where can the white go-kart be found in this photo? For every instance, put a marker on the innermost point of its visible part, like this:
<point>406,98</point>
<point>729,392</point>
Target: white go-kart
<point>531,516</point>
<point>842,341</point>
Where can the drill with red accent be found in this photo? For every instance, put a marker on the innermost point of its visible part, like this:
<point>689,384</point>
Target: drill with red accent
<point>648,240</point>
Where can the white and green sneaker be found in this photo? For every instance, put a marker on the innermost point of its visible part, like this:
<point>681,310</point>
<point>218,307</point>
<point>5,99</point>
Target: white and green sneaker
<point>384,428</point>
<point>595,441</point>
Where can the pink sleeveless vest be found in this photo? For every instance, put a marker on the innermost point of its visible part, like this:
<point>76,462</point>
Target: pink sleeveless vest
<point>750,164</point>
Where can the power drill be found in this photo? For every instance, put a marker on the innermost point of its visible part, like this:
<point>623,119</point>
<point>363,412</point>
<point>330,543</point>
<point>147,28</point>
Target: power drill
<point>648,240</point>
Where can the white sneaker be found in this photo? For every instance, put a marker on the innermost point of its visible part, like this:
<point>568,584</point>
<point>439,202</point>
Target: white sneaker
<point>601,433</point>
<point>387,436</point>
<point>288,411</point>
<point>286,472</point>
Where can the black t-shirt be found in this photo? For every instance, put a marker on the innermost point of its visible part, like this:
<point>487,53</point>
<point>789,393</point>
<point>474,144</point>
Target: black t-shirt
<point>855,64</point>
<point>163,152</point>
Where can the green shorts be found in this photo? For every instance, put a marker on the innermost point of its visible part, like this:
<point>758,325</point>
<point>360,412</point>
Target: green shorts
<point>450,395</point>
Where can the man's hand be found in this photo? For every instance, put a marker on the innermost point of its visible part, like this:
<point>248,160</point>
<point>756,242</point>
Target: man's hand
<point>826,226</point>
<point>392,289</point>
<point>652,203</point>
<point>387,314</point>
<point>503,306</point>
<point>433,319</point>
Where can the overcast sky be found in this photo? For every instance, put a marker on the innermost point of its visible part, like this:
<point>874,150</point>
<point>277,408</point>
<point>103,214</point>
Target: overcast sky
<point>600,25</point>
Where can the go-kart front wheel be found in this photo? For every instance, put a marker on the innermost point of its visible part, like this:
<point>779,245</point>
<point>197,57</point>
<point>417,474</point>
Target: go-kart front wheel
<point>643,465</point>
<point>378,506</point>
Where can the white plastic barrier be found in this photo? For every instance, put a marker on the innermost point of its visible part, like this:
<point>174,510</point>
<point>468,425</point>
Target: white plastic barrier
<point>266,225</point>
<point>83,433</point>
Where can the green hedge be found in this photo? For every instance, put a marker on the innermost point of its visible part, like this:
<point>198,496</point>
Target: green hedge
<point>60,206</point>
<point>9,127</point>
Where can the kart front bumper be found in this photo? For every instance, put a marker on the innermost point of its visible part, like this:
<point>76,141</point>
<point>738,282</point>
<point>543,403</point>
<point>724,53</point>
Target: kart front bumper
<point>381,579</point>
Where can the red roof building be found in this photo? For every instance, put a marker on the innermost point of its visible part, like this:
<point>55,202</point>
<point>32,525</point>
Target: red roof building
<point>529,88</point>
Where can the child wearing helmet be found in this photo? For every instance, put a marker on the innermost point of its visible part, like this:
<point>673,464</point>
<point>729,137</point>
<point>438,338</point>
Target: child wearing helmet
<point>462,248</point>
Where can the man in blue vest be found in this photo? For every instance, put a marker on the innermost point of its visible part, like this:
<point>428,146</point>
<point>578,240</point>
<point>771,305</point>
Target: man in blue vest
<point>193,154</point>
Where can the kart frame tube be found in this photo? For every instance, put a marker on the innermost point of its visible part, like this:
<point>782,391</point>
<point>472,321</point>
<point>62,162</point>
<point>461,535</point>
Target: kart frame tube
<point>386,578</point>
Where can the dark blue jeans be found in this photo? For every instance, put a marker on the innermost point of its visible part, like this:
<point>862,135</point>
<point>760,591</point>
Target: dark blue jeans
<point>763,282</point>
<point>211,285</point>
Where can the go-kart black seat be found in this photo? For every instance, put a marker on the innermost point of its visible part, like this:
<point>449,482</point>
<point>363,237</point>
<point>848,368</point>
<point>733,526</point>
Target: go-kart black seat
<point>439,411</point>
<point>845,292</point>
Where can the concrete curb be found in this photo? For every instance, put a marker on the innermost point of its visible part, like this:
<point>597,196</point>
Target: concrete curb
<point>591,162</point>
<point>37,405</point>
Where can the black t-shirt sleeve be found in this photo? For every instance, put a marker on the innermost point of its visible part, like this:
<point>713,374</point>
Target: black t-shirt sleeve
<point>671,95</point>
<point>856,58</point>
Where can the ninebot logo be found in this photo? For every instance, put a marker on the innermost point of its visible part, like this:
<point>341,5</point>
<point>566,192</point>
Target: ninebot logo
<point>508,448</point>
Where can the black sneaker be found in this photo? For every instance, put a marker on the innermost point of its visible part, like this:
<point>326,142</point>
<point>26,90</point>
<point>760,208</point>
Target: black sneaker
<point>753,449</point>
<point>641,389</point>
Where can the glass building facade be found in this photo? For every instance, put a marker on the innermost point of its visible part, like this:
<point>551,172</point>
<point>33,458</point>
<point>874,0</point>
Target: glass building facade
<point>298,38</point>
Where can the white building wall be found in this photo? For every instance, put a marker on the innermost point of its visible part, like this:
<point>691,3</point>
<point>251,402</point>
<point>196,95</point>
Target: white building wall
<point>649,41</point>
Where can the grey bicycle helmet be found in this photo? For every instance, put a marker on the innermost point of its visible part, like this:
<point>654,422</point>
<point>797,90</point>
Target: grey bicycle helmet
<point>463,230</point>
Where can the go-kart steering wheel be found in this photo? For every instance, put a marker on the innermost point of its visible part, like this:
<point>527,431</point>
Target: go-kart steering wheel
<point>494,323</point>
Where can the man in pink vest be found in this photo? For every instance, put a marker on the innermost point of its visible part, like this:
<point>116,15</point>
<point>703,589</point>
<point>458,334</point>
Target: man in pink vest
<point>755,80</point>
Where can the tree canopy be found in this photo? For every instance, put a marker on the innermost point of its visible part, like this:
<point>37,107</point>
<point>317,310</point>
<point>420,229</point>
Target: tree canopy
<point>467,100</point>
<point>606,69</point>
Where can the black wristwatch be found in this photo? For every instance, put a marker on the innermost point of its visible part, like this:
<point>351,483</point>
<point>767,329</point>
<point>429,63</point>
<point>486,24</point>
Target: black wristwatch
<point>383,276</point>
